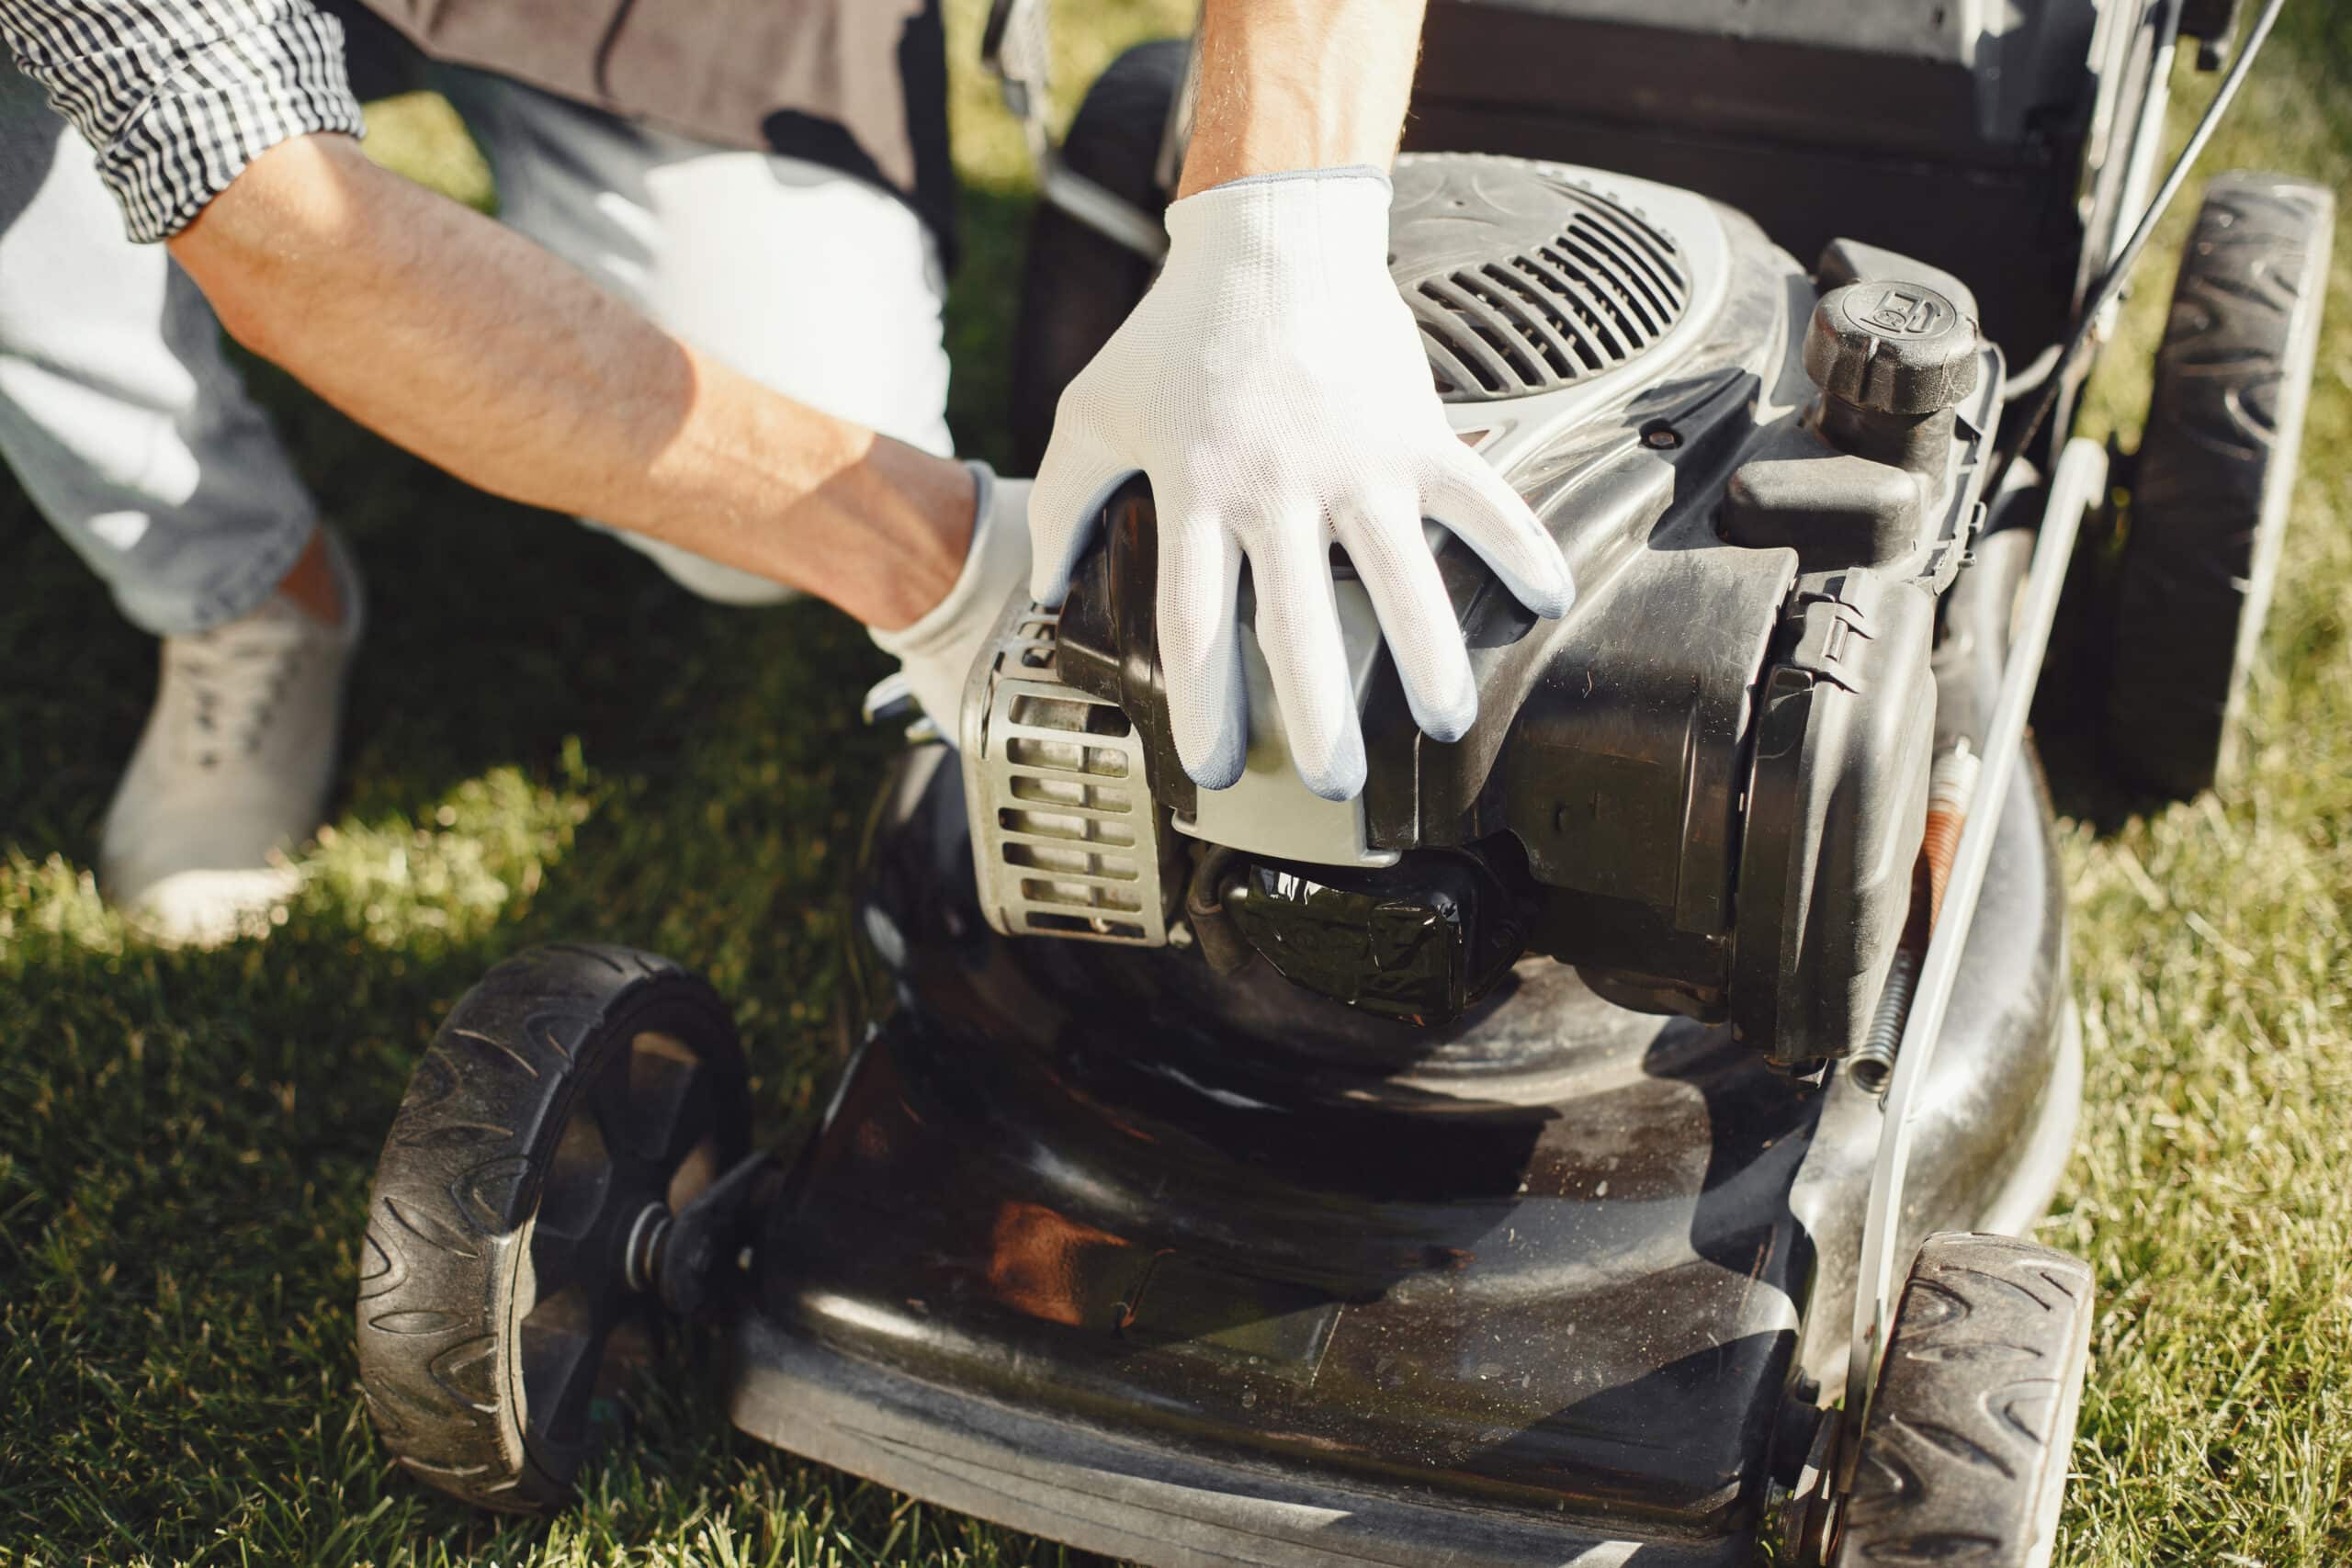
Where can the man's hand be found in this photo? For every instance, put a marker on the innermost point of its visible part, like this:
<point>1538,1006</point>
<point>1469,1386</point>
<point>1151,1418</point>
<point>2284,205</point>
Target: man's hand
<point>1272,387</point>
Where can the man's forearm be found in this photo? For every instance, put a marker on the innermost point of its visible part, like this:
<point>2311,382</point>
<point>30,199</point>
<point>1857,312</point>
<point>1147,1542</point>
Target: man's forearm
<point>1300,84</point>
<point>482,353</point>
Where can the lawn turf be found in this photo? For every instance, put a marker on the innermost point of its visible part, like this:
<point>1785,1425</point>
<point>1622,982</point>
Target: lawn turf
<point>550,741</point>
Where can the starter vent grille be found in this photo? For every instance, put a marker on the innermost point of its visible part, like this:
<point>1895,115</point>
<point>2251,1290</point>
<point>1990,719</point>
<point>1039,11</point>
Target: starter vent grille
<point>1600,290</point>
<point>1067,838</point>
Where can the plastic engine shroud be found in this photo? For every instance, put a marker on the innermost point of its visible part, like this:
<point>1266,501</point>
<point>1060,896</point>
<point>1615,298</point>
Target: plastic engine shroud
<point>1522,281</point>
<point>1704,786</point>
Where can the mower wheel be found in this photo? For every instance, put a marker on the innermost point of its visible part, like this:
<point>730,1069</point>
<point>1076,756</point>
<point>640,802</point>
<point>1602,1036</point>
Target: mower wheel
<point>2216,466</point>
<point>571,1105</point>
<point>1081,283</point>
<point>1963,1450</point>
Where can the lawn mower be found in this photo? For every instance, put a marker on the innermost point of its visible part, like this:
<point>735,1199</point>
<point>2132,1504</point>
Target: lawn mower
<point>1607,1139</point>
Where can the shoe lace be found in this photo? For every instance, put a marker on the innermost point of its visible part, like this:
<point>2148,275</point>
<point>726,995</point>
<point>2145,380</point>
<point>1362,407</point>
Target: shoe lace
<point>235,677</point>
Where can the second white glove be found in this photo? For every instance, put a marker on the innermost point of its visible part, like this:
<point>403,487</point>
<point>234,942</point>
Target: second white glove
<point>938,652</point>
<point>1272,387</point>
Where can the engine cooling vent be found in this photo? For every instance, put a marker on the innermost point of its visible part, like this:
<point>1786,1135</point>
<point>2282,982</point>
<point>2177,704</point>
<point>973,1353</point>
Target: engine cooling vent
<point>1522,281</point>
<point>1067,840</point>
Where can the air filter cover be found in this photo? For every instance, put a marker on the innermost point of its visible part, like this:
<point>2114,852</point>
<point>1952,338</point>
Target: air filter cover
<point>1523,280</point>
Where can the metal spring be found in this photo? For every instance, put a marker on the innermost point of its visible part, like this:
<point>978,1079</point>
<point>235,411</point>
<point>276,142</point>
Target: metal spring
<point>1952,788</point>
<point>1873,1066</point>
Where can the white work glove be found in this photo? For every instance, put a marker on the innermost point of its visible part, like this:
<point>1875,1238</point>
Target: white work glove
<point>938,652</point>
<point>1272,387</point>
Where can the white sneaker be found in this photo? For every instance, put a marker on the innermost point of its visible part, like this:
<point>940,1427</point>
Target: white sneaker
<point>232,770</point>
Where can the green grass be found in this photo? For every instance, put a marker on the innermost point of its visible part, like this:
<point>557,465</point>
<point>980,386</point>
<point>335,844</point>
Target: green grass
<point>550,741</point>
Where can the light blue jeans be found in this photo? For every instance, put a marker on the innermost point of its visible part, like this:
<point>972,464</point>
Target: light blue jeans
<point>136,439</point>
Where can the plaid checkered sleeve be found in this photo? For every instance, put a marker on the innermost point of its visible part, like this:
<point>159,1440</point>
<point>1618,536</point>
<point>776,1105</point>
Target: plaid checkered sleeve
<point>179,96</point>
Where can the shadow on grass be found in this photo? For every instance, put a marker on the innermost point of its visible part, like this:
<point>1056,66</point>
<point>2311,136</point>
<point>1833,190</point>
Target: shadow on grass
<point>547,738</point>
<point>2069,701</point>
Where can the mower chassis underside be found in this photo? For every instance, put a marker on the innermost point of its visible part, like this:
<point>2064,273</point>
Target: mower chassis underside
<point>1137,1501</point>
<point>1152,1502</point>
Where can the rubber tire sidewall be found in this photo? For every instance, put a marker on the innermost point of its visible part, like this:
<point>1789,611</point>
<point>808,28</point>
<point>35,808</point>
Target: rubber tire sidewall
<point>1989,1332</point>
<point>2209,499</point>
<point>1079,284</point>
<point>457,1188</point>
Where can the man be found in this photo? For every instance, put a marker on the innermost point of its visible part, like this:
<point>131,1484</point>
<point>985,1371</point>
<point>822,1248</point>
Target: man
<point>683,379</point>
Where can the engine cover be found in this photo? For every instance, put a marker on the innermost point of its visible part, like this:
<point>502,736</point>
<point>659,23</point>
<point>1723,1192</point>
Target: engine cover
<point>1704,786</point>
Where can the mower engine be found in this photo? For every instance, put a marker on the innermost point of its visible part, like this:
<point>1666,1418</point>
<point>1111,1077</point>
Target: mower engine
<point>1706,787</point>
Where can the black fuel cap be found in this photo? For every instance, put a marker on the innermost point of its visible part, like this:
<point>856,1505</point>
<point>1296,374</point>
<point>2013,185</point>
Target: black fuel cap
<point>1892,348</point>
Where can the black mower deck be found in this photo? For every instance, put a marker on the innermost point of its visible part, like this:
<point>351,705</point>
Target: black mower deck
<point>1536,1290</point>
<point>1155,1503</point>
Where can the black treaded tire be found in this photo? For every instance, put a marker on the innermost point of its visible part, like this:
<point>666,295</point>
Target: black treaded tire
<point>1079,284</point>
<point>572,1088</point>
<point>2216,466</point>
<point>1964,1451</point>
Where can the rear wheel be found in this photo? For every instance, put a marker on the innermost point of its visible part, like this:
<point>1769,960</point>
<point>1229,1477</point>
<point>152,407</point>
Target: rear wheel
<point>1963,1450</point>
<point>2216,466</point>
<point>571,1105</point>
<point>1081,283</point>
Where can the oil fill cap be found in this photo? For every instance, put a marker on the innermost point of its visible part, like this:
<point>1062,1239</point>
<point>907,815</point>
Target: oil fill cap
<point>1891,347</point>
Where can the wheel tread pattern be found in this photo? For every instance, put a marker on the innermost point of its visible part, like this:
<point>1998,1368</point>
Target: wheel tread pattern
<point>1964,1451</point>
<point>2216,462</point>
<point>458,1184</point>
